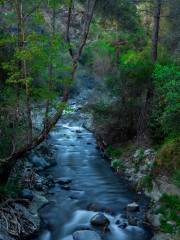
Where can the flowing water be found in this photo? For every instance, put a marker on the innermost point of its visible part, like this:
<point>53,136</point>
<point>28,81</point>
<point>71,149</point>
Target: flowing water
<point>93,182</point>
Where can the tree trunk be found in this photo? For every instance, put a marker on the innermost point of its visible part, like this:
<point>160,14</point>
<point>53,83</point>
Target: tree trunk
<point>23,66</point>
<point>50,70</point>
<point>155,32</point>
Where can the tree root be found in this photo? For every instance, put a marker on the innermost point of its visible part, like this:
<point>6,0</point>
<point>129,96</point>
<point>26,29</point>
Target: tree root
<point>14,221</point>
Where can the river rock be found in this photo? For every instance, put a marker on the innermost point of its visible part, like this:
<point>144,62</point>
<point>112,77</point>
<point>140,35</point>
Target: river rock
<point>38,201</point>
<point>155,219</point>
<point>63,180</point>
<point>99,220</point>
<point>78,131</point>
<point>77,194</point>
<point>26,194</point>
<point>51,162</point>
<point>162,236</point>
<point>149,152</point>
<point>86,235</point>
<point>122,225</point>
<point>39,162</point>
<point>132,207</point>
<point>133,221</point>
<point>95,207</point>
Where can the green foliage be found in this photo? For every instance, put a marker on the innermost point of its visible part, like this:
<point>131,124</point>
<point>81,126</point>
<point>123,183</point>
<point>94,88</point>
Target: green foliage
<point>166,108</point>
<point>146,182</point>
<point>123,12</point>
<point>176,177</point>
<point>137,67</point>
<point>168,157</point>
<point>114,152</point>
<point>170,207</point>
<point>117,164</point>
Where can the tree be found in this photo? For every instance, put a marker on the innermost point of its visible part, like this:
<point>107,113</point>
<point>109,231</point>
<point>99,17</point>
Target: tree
<point>49,121</point>
<point>155,31</point>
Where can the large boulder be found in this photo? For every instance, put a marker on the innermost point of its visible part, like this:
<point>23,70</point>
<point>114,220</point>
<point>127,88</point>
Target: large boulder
<point>99,220</point>
<point>86,235</point>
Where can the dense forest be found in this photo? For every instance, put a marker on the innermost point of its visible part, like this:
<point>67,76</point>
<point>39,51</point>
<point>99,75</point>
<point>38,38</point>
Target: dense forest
<point>131,49</point>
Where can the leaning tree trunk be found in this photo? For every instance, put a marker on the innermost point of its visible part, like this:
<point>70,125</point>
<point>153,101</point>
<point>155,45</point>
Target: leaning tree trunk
<point>8,163</point>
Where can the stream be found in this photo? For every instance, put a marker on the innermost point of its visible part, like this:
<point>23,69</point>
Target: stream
<point>94,186</point>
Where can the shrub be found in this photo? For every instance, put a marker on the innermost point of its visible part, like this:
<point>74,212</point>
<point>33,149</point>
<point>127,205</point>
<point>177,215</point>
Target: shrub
<point>176,177</point>
<point>114,152</point>
<point>146,182</point>
<point>166,107</point>
<point>168,157</point>
<point>117,164</point>
<point>170,208</point>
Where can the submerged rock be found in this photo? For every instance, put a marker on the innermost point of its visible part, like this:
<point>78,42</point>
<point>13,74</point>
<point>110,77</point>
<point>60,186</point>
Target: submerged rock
<point>86,235</point>
<point>65,187</point>
<point>77,194</point>
<point>133,221</point>
<point>63,180</point>
<point>122,225</point>
<point>99,220</point>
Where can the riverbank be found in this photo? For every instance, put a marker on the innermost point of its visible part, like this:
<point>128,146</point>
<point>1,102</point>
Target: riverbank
<point>137,163</point>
